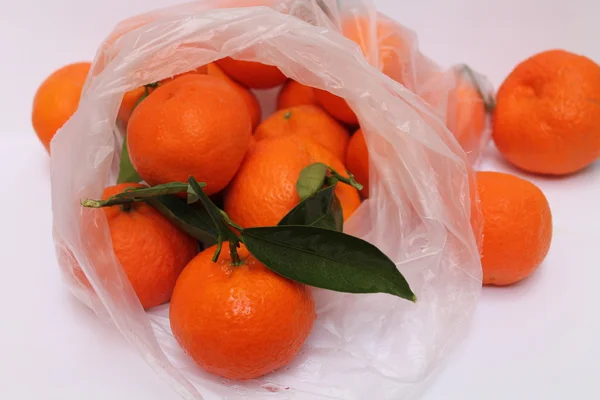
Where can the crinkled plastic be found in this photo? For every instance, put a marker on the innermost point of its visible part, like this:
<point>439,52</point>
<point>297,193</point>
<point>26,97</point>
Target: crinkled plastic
<point>420,213</point>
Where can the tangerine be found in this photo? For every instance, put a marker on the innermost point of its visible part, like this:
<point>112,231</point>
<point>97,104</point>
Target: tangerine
<point>239,321</point>
<point>252,74</point>
<point>547,116</point>
<point>466,113</point>
<point>151,250</point>
<point>294,94</point>
<point>132,98</point>
<point>308,121</point>
<point>384,43</point>
<point>249,98</point>
<point>195,125</point>
<point>517,227</point>
<point>264,189</point>
<point>336,106</point>
<point>57,99</point>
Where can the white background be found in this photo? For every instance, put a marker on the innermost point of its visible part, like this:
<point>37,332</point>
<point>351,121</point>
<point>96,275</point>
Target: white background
<point>535,340</point>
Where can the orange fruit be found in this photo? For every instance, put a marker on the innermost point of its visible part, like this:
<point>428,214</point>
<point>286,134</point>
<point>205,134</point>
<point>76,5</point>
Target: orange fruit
<point>195,125</point>
<point>249,98</point>
<point>384,44</point>
<point>294,94</point>
<point>357,160</point>
<point>264,189</point>
<point>239,322</point>
<point>336,106</point>
<point>308,121</point>
<point>131,98</point>
<point>517,227</point>
<point>252,74</point>
<point>547,116</point>
<point>57,99</point>
<point>151,250</point>
<point>466,112</point>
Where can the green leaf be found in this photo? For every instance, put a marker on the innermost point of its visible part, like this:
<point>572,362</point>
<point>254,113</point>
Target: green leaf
<point>127,172</point>
<point>224,233</point>
<point>326,259</point>
<point>338,215</point>
<point>311,179</point>
<point>138,194</point>
<point>322,209</point>
<point>194,221</point>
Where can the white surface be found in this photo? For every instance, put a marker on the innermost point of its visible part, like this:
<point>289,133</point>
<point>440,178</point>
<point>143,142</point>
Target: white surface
<point>535,340</point>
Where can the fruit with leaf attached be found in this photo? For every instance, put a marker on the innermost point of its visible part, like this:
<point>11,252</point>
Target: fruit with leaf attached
<point>264,189</point>
<point>517,227</point>
<point>307,120</point>
<point>239,320</point>
<point>195,125</point>
<point>56,100</point>
<point>151,250</point>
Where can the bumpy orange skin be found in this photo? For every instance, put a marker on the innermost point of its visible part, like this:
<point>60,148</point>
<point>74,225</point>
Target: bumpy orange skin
<point>294,94</point>
<point>196,125</point>
<point>131,98</point>
<point>249,98</point>
<point>252,74</point>
<point>517,227</point>
<point>308,121</point>
<point>357,160</point>
<point>239,322</point>
<point>151,250</point>
<point>264,189</point>
<point>56,100</point>
<point>547,116</point>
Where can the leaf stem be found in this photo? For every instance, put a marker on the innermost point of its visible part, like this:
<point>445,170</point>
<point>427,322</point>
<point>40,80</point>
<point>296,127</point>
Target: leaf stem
<point>220,219</point>
<point>230,222</point>
<point>215,257</point>
<point>134,194</point>
<point>348,181</point>
<point>119,201</point>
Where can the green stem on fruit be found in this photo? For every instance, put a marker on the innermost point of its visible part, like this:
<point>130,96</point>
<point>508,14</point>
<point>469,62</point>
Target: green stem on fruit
<point>220,219</point>
<point>235,257</point>
<point>230,222</point>
<point>350,180</point>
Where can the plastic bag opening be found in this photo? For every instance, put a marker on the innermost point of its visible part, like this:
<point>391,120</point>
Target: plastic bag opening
<point>419,211</point>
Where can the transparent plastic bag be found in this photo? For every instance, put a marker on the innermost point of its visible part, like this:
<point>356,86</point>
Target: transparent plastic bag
<point>420,212</point>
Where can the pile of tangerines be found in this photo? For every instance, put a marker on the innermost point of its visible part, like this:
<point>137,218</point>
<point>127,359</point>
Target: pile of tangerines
<point>237,215</point>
